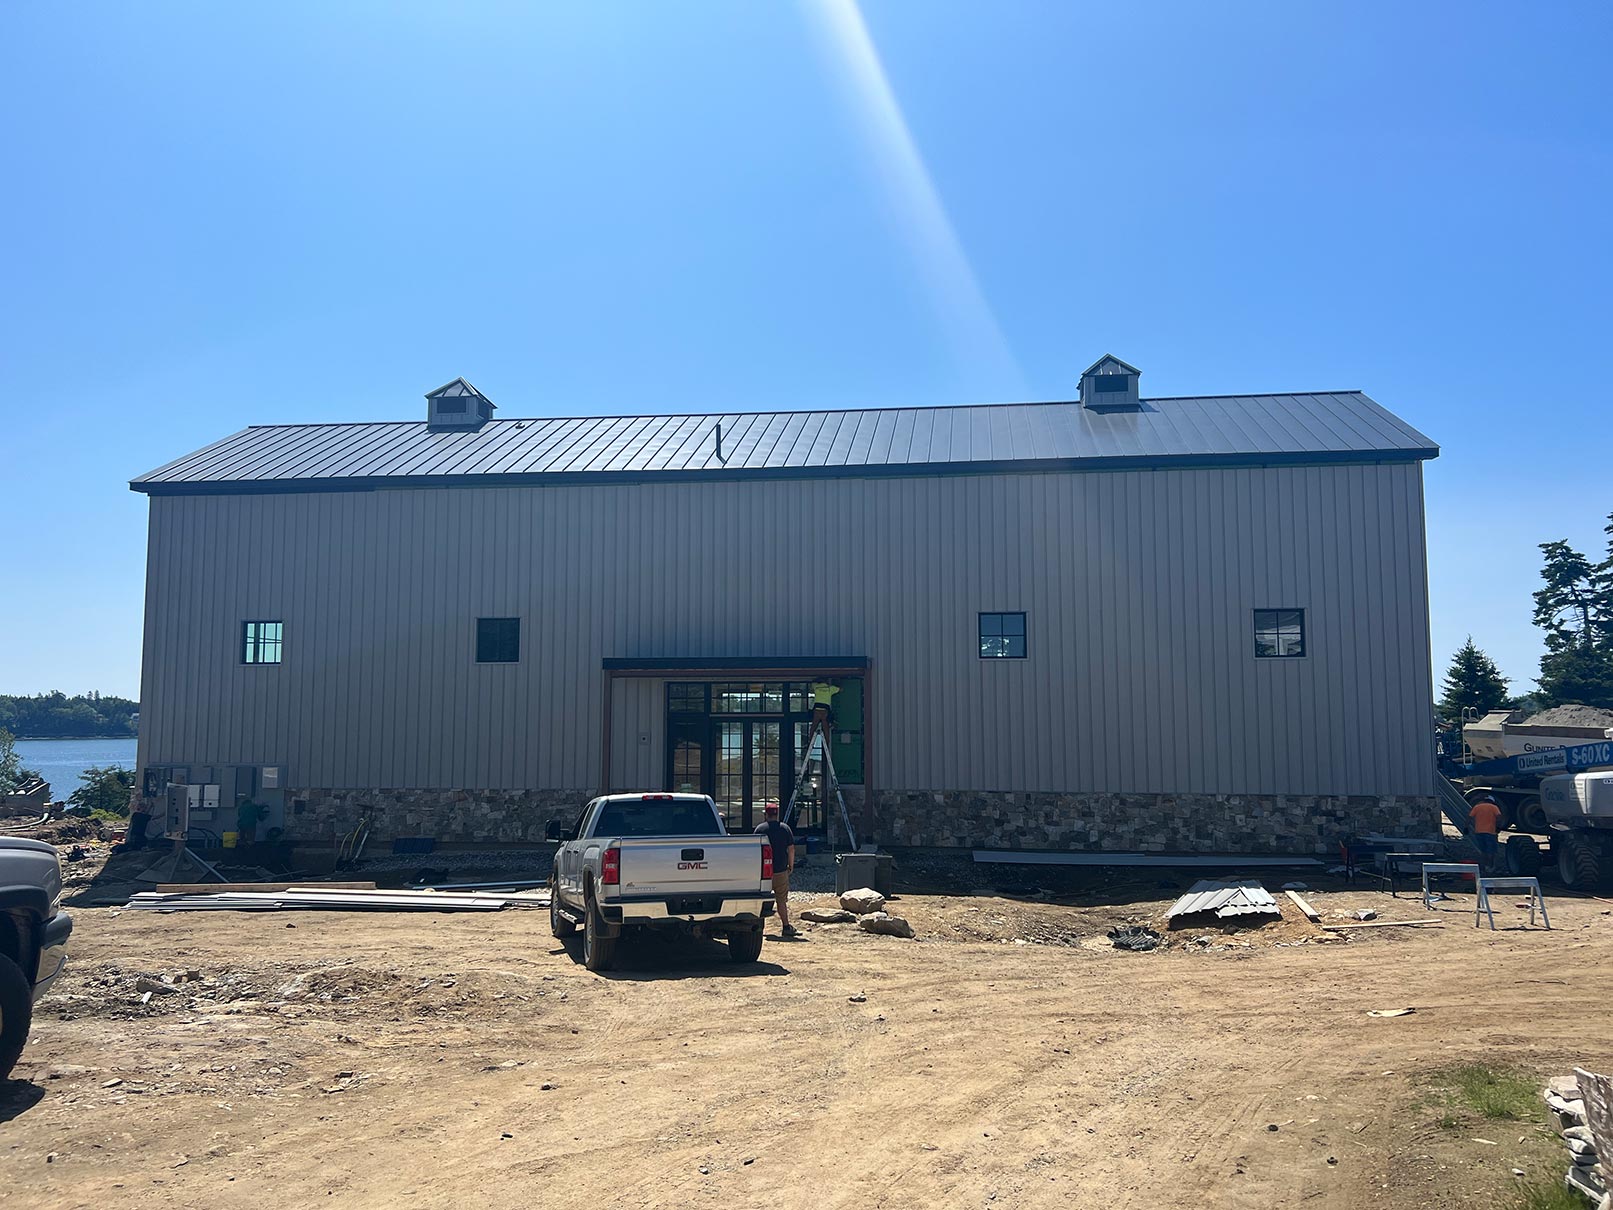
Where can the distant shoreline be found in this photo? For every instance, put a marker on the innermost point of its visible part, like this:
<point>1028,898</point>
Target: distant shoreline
<point>71,737</point>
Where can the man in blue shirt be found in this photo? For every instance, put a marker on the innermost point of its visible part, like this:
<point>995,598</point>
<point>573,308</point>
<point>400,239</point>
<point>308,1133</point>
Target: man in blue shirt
<point>782,839</point>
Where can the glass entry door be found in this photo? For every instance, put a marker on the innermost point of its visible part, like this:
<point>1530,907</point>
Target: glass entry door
<point>747,769</point>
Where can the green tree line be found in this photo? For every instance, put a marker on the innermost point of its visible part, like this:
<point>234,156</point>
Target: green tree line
<point>54,715</point>
<point>1574,607</point>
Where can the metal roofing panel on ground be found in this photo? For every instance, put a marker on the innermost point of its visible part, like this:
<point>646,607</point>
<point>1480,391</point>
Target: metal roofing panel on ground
<point>1246,897</point>
<point>1212,430</point>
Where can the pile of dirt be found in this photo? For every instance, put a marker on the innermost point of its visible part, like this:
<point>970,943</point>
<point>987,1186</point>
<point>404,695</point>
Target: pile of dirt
<point>1572,716</point>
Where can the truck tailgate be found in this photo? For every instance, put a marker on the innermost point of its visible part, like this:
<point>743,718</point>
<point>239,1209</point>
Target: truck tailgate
<point>676,867</point>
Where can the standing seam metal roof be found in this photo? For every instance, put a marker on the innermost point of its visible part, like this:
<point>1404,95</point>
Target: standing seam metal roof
<point>1338,426</point>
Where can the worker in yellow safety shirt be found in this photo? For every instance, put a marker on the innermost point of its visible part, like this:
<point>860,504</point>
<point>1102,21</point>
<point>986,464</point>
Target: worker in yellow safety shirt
<point>1486,817</point>
<point>822,700</point>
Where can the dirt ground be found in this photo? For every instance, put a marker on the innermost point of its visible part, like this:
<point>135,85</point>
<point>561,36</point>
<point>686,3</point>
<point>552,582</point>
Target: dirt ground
<point>1007,1057</point>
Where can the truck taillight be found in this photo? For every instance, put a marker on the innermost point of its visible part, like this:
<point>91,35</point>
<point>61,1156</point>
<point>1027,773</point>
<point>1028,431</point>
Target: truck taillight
<point>610,867</point>
<point>767,862</point>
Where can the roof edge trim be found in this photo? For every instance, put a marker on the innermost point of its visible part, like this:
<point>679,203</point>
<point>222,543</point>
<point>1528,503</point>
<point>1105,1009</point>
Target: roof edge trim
<point>912,470</point>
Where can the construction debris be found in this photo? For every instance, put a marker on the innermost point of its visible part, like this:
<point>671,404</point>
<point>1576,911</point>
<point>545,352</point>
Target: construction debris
<point>1583,1106</point>
<point>1245,897</point>
<point>1135,937</point>
<point>302,898</point>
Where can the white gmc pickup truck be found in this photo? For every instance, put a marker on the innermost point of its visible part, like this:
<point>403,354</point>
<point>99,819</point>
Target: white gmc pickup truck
<point>658,861</point>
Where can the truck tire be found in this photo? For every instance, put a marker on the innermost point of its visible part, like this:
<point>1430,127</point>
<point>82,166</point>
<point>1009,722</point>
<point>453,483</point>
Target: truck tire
<point>560,925</point>
<point>746,946</point>
<point>16,1013</point>
<point>1530,816</point>
<point>1583,862</point>
<point>598,950</point>
<point>1523,856</point>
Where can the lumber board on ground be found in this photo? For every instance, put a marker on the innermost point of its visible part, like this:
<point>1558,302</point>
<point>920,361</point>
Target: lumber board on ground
<point>1386,924</point>
<point>1158,860</point>
<point>1311,913</point>
<point>218,888</point>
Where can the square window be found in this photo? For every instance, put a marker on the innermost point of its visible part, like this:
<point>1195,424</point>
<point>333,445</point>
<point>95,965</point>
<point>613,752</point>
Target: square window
<point>1279,634</point>
<point>498,640</point>
<point>261,642</point>
<point>1002,636</point>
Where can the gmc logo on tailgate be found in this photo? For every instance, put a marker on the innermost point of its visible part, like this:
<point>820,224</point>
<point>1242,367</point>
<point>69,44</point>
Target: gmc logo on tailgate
<point>692,865</point>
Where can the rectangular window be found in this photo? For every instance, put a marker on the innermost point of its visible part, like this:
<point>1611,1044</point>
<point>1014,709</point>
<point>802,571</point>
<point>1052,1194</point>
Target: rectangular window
<point>686,697</point>
<point>498,640</point>
<point>765,698</point>
<point>1109,384</point>
<point>1002,636</point>
<point>1279,633</point>
<point>260,642</point>
<point>450,403</point>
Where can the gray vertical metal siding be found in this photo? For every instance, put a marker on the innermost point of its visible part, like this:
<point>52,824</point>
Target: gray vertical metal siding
<point>1138,588</point>
<point>638,733</point>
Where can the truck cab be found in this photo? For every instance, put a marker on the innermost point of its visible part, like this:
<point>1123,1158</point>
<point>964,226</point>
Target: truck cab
<point>658,861</point>
<point>33,937</point>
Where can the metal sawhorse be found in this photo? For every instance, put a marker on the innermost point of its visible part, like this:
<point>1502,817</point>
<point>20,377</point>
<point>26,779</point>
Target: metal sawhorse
<point>1507,882</point>
<point>1446,867</point>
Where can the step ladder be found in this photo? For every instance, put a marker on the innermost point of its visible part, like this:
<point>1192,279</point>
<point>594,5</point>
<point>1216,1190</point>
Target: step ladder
<point>819,734</point>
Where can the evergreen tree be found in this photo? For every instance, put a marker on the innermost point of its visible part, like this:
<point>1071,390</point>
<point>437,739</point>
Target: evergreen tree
<point>12,774</point>
<point>1472,680</point>
<point>1575,609</point>
<point>106,790</point>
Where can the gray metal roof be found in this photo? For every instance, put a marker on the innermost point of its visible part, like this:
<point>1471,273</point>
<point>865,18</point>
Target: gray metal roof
<point>1219,430</point>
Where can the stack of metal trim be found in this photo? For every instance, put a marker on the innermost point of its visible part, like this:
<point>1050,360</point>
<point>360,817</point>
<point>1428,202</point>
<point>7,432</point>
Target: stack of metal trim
<point>314,898</point>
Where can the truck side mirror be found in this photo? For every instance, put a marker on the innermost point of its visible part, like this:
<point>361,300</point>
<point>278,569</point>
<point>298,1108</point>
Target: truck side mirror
<point>554,830</point>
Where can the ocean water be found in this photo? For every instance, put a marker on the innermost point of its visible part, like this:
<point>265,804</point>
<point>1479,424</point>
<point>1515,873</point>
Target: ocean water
<point>61,761</point>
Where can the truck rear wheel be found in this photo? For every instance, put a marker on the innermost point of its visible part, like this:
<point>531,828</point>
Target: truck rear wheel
<point>16,1013</point>
<point>746,946</point>
<point>598,950</point>
<point>1582,862</point>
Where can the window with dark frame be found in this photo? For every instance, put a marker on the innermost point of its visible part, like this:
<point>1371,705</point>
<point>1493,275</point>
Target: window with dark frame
<point>498,640</point>
<point>686,697</point>
<point>451,403</point>
<point>1109,384</point>
<point>261,642</point>
<point>1002,636</point>
<point>1279,634</point>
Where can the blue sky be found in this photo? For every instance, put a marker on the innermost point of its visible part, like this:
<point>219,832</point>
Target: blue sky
<point>224,214</point>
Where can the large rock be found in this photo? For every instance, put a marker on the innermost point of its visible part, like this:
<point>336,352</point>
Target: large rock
<point>862,901</point>
<point>879,922</point>
<point>828,916</point>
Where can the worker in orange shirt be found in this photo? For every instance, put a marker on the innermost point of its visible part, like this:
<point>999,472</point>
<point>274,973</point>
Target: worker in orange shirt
<point>1486,817</point>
